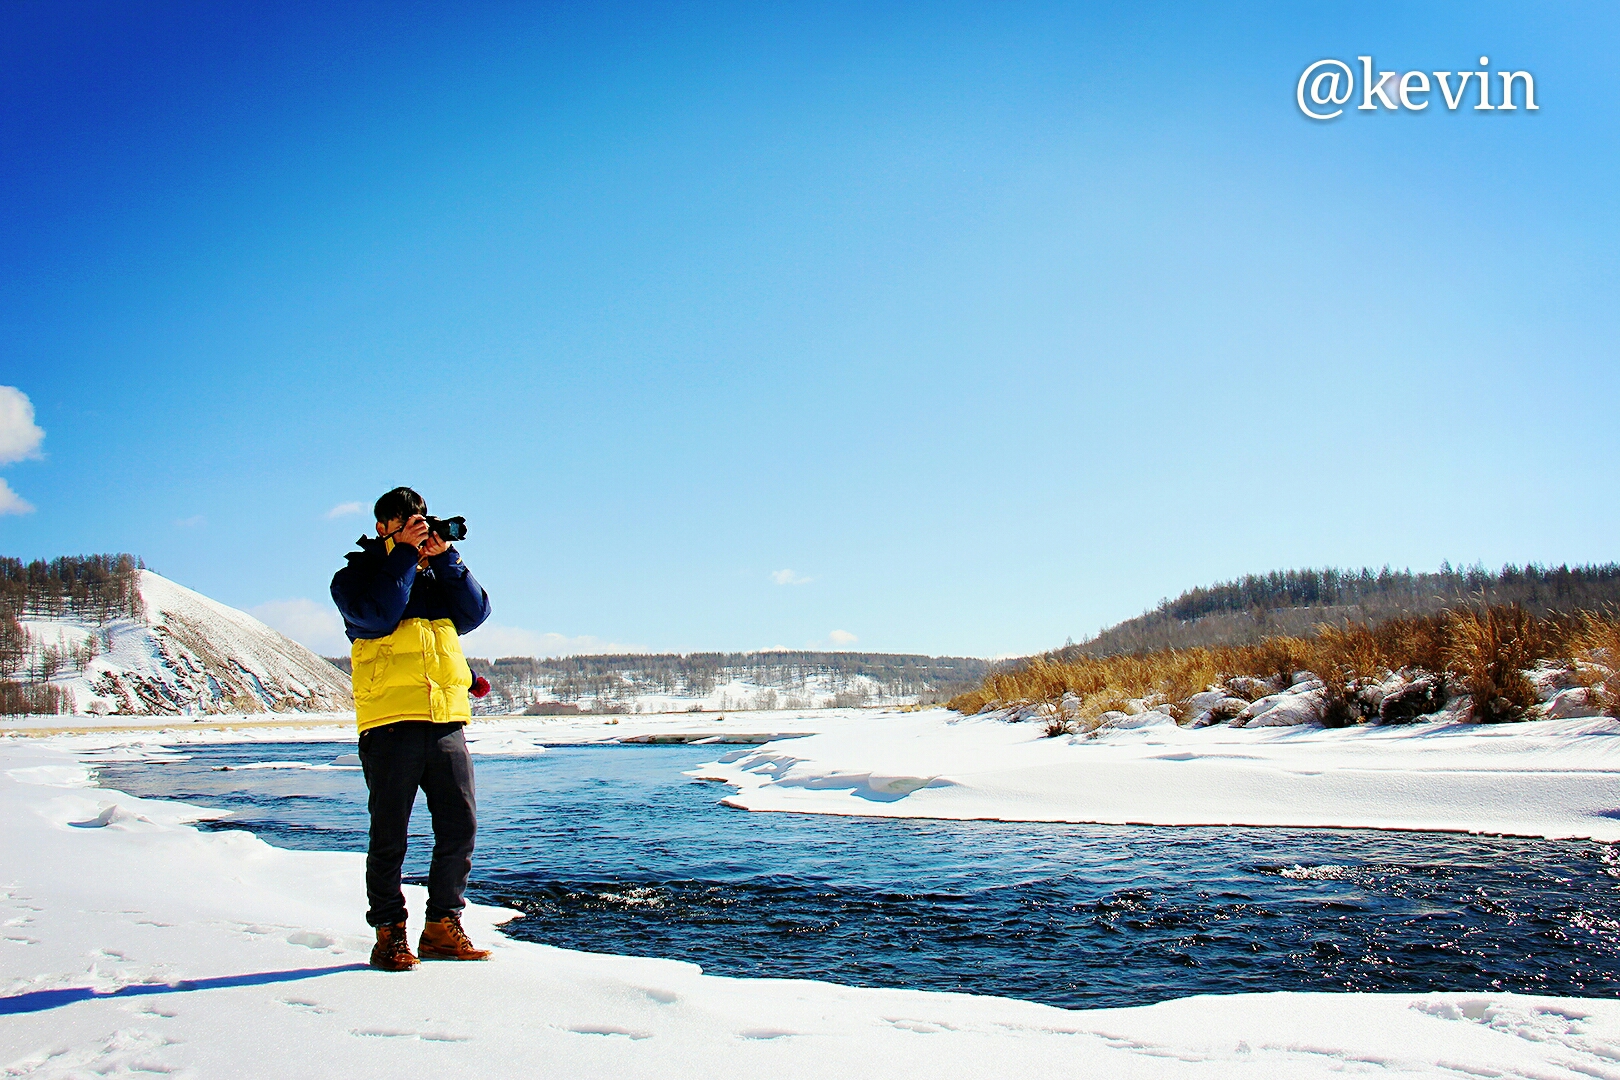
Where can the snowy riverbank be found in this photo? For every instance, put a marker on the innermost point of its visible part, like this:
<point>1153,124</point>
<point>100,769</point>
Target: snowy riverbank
<point>136,943</point>
<point>1551,778</point>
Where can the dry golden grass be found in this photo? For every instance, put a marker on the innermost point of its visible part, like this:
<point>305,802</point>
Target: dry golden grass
<point>1485,650</point>
<point>1489,650</point>
<point>1595,651</point>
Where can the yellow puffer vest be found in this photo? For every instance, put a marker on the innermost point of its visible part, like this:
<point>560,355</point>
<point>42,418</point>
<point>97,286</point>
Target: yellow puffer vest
<point>416,673</point>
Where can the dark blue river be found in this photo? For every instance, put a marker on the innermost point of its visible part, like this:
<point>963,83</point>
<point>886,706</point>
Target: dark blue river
<point>612,849</point>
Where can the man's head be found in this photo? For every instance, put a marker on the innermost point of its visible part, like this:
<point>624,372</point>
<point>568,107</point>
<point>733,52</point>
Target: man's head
<point>402,519</point>
<point>397,507</point>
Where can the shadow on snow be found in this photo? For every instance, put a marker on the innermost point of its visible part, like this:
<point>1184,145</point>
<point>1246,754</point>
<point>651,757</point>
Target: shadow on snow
<point>40,1000</point>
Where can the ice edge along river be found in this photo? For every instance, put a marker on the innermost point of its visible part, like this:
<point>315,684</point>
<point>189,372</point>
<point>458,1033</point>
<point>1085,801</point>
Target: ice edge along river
<point>1558,779</point>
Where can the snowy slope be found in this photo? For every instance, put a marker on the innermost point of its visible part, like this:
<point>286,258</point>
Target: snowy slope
<point>189,656</point>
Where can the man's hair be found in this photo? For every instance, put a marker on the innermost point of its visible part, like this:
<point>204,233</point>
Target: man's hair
<point>402,503</point>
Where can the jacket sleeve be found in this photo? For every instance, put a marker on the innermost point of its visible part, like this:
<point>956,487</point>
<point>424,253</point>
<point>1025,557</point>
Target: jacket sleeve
<point>371,594</point>
<point>469,603</point>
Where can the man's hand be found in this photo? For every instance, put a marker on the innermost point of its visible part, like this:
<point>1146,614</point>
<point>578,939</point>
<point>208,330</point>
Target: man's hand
<point>434,545</point>
<point>415,533</point>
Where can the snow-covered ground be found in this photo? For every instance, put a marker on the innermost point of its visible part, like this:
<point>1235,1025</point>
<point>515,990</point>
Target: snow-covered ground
<point>132,943</point>
<point>1552,778</point>
<point>188,655</point>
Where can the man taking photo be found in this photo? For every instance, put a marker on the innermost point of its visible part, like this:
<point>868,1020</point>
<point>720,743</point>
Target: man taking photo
<point>406,598</point>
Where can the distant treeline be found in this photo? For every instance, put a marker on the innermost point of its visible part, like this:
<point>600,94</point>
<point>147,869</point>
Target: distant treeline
<point>94,588</point>
<point>618,677</point>
<point>1295,602</point>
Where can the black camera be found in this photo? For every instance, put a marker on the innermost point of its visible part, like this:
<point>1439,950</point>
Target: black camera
<point>447,529</point>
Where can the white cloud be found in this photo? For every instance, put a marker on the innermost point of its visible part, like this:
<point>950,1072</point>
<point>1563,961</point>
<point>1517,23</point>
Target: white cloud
<point>344,510</point>
<point>12,503</point>
<point>492,640</point>
<point>788,577</point>
<point>191,522</point>
<point>841,638</point>
<point>19,435</point>
<point>315,626</point>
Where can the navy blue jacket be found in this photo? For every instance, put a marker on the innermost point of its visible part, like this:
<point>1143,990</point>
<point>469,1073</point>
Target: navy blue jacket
<point>379,589</point>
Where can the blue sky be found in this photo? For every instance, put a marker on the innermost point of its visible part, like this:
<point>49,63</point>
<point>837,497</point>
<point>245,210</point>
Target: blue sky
<point>936,328</point>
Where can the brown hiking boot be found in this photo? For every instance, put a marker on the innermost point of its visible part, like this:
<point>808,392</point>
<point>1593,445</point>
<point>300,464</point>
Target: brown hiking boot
<point>444,939</point>
<point>393,949</point>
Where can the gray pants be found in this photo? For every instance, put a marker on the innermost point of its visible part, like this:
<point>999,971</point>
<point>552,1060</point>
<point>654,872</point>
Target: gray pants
<point>398,759</point>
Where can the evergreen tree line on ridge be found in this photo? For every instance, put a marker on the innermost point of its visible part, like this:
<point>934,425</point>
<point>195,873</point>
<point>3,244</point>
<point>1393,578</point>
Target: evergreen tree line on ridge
<point>1296,602</point>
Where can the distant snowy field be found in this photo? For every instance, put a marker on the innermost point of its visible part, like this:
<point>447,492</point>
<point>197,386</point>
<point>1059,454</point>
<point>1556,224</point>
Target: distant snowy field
<point>134,943</point>
<point>735,692</point>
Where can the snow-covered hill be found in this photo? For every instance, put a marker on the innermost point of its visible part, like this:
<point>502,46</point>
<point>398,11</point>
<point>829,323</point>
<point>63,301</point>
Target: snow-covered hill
<point>189,656</point>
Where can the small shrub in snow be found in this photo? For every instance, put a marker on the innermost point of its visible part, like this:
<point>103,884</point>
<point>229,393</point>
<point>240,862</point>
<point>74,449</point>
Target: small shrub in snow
<point>1110,699</point>
<point>1424,695</point>
<point>1490,650</point>
<point>1339,707</point>
<point>1211,707</point>
<point>1597,651</point>
<point>1250,687</point>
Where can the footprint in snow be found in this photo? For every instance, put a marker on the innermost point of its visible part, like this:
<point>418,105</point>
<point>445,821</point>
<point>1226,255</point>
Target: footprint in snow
<point>406,1033</point>
<point>122,1053</point>
<point>608,1029</point>
<point>305,1005</point>
<point>921,1027</point>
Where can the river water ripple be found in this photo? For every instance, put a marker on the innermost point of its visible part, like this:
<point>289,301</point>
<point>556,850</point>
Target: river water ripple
<point>612,849</point>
